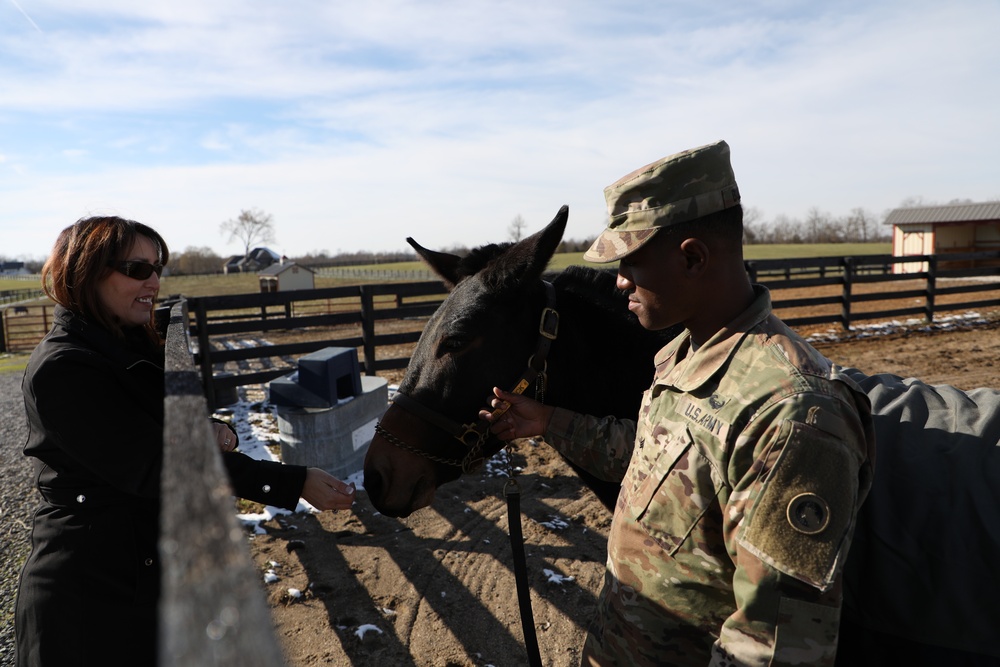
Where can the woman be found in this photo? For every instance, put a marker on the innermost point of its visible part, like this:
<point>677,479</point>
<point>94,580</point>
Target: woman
<point>93,393</point>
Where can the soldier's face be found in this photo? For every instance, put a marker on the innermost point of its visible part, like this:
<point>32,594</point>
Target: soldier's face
<point>656,281</point>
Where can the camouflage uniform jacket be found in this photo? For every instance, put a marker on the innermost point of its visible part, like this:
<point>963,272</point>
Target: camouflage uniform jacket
<point>740,490</point>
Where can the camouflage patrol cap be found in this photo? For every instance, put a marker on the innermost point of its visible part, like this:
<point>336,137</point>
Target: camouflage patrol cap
<point>674,189</point>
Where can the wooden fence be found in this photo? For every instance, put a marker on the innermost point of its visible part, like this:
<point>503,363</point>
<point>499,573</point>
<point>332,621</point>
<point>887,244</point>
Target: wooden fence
<point>23,326</point>
<point>384,321</point>
<point>865,288</point>
<point>302,321</point>
<point>844,291</point>
<point>213,610</point>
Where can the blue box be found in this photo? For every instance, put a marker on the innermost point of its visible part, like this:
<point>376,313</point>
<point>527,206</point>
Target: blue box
<point>332,373</point>
<point>324,378</point>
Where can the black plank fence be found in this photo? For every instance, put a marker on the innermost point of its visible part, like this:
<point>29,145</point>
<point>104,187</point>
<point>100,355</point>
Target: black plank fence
<point>253,338</point>
<point>367,317</point>
<point>843,291</point>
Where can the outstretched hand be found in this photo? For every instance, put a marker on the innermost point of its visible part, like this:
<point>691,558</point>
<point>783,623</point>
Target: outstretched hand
<point>523,418</point>
<point>225,437</point>
<point>325,492</point>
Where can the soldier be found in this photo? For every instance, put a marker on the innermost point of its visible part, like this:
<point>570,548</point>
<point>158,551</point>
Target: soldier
<point>742,477</point>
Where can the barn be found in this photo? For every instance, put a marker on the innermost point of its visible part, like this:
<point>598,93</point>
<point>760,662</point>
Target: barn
<point>940,230</point>
<point>285,276</point>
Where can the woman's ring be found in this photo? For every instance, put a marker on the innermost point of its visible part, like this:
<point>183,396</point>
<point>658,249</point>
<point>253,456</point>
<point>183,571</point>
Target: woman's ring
<point>226,442</point>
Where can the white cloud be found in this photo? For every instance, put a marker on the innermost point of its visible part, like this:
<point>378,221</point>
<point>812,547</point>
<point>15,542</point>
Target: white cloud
<point>359,125</point>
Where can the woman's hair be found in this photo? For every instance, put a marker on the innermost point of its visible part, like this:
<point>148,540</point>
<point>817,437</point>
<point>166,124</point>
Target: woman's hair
<point>84,254</point>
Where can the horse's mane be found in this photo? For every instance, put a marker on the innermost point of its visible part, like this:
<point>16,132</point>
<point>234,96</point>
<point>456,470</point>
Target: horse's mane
<point>478,258</point>
<point>594,286</point>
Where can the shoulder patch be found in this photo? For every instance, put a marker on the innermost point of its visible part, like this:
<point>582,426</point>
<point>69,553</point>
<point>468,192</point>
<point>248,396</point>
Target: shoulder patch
<point>802,518</point>
<point>808,513</point>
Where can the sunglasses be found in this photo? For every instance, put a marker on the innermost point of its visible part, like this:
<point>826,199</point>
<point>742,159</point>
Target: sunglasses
<point>138,270</point>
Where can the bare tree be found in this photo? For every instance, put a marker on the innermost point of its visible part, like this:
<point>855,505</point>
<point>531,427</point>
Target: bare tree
<point>821,227</point>
<point>862,226</point>
<point>751,218</point>
<point>516,228</point>
<point>786,230</point>
<point>251,228</point>
<point>914,202</point>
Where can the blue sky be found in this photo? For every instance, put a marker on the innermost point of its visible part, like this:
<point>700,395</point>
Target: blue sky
<point>356,125</point>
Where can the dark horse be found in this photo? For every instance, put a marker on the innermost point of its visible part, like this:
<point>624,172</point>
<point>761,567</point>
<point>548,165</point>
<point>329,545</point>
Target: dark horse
<point>920,582</point>
<point>486,334</point>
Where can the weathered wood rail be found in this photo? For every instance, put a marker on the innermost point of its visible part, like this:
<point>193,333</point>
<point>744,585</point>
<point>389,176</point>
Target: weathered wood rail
<point>213,611</point>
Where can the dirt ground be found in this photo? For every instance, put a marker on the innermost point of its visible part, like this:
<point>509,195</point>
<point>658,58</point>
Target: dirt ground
<point>437,589</point>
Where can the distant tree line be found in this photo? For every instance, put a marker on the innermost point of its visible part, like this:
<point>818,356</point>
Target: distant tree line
<point>254,226</point>
<point>858,226</point>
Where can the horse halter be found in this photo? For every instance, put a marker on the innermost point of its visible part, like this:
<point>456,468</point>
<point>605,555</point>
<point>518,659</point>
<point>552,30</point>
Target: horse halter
<point>474,435</point>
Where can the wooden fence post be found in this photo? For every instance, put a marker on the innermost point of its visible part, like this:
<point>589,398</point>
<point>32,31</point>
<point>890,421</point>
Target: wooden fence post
<point>931,286</point>
<point>204,351</point>
<point>845,306</point>
<point>368,327</point>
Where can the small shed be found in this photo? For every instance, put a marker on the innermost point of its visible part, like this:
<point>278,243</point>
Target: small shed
<point>285,276</point>
<point>939,230</point>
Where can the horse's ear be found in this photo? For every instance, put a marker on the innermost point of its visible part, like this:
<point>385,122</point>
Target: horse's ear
<point>526,260</point>
<point>442,263</point>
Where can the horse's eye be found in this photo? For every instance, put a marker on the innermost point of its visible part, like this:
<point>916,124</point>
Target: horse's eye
<point>453,344</point>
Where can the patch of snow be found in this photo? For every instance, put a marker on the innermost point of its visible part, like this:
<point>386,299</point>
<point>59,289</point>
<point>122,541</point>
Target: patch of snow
<point>555,523</point>
<point>553,577</point>
<point>365,629</point>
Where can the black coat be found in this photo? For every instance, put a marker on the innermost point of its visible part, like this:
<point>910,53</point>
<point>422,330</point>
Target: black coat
<point>89,589</point>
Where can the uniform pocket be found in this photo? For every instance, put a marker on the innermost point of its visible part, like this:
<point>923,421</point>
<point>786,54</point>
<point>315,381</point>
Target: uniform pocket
<point>681,485</point>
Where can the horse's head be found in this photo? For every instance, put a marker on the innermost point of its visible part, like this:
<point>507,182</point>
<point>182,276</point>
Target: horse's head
<point>483,335</point>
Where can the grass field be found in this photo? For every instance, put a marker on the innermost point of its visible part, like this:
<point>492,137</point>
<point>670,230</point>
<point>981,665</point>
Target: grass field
<point>775,251</point>
<point>217,284</point>
<point>13,363</point>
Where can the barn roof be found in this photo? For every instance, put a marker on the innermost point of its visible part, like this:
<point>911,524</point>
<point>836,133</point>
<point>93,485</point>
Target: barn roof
<point>951,213</point>
<point>276,269</point>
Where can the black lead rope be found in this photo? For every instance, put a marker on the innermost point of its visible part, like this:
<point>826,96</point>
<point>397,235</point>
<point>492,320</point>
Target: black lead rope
<point>474,435</point>
<point>513,493</point>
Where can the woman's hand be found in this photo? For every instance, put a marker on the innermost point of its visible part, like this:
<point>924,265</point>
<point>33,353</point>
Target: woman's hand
<point>224,437</point>
<point>325,492</point>
<point>523,417</point>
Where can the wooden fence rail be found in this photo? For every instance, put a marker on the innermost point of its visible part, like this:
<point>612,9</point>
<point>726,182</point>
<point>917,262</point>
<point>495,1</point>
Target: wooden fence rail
<point>17,295</point>
<point>382,320</point>
<point>311,320</point>
<point>842,290</point>
<point>213,610</point>
<point>848,282</point>
<point>22,327</point>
